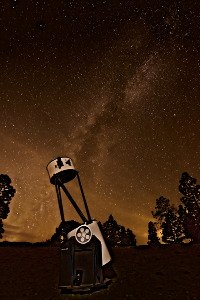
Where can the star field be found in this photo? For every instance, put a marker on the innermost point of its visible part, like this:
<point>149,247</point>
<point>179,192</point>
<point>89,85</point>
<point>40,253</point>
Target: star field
<point>112,84</point>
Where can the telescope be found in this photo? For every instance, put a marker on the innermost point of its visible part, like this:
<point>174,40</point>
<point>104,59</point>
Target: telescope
<point>84,253</point>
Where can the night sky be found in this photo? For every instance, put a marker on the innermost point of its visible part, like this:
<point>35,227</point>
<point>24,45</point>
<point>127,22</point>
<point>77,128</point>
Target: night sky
<point>112,84</point>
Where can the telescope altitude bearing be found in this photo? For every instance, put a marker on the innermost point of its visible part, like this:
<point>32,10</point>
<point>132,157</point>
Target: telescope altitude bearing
<point>83,234</point>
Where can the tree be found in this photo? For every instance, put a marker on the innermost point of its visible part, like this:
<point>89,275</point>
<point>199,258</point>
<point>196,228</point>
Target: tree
<point>184,222</point>
<point>6,193</point>
<point>131,237</point>
<point>153,239</point>
<point>161,209</point>
<point>110,230</point>
<point>171,231</point>
<point>191,206</point>
<point>169,221</point>
<point>1,229</point>
<point>117,235</point>
<point>60,236</point>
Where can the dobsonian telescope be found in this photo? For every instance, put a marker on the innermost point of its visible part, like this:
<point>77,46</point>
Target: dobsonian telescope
<point>84,253</point>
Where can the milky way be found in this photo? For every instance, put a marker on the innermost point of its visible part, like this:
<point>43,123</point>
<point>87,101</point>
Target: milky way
<point>114,86</point>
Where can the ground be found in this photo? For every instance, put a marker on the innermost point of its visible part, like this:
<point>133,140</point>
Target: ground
<point>169,272</point>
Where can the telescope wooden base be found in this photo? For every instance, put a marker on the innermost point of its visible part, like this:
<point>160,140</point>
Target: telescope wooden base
<point>85,289</point>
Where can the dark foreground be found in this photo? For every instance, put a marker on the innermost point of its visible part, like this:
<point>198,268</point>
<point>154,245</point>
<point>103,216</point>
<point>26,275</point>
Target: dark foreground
<point>170,272</point>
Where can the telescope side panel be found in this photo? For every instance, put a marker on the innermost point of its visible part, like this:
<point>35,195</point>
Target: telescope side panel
<point>96,232</point>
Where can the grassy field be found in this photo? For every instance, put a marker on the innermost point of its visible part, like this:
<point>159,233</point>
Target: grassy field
<point>169,272</point>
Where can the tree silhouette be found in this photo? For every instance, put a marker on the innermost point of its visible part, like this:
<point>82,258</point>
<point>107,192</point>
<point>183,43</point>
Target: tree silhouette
<point>60,236</point>
<point>169,221</point>
<point>1,229</point>
<point>153,239</point>
<point>161,209</point>
<point>184,222</point>
<point>131,237</point>
<point>6,194</point>
<point>191,206</point>
<point>172,231</point>
<point>117,235</point>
